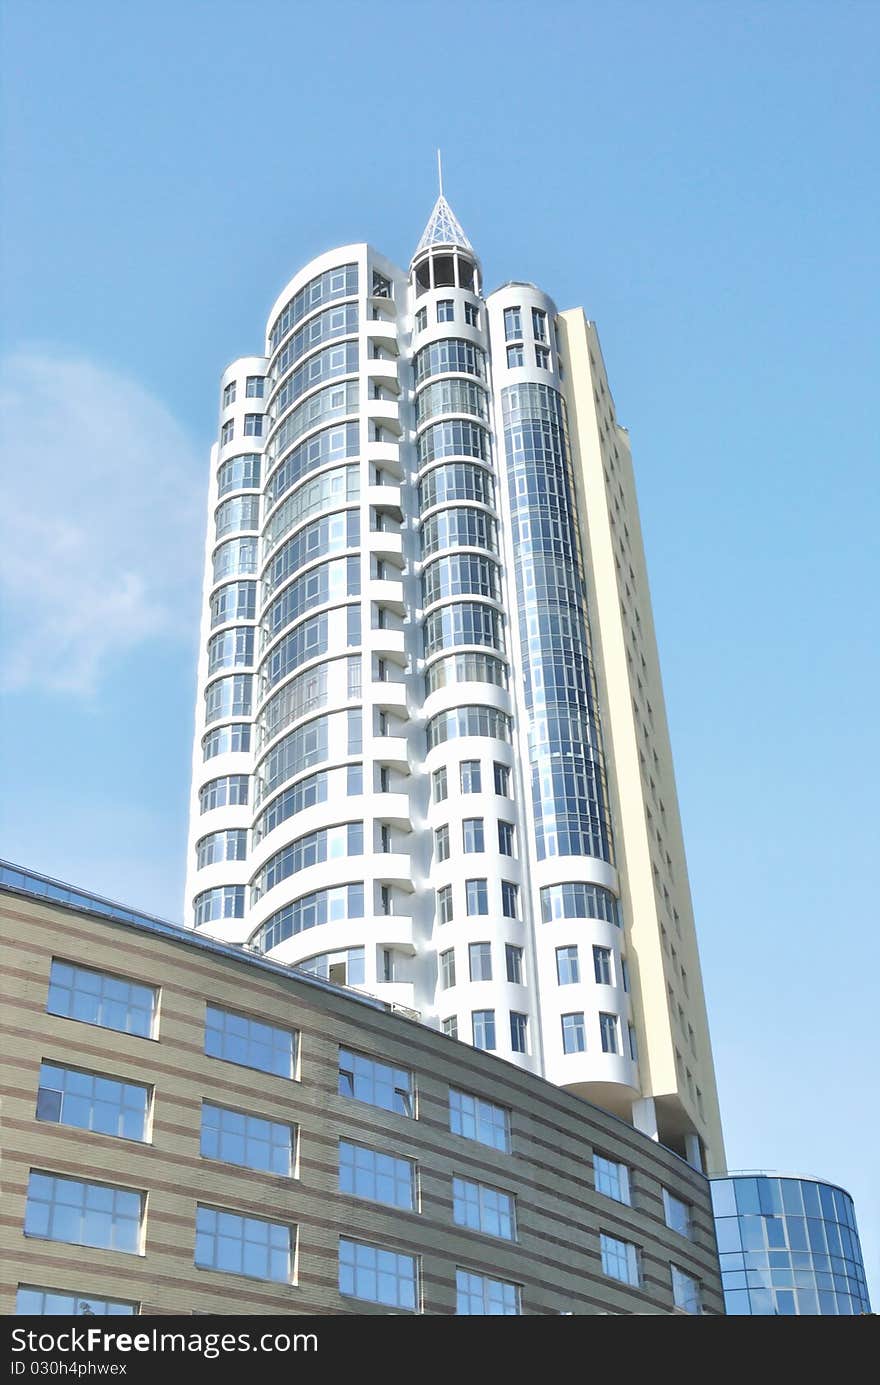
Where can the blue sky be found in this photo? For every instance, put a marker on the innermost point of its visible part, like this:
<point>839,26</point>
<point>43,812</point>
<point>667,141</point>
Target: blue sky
<point>702,178</point>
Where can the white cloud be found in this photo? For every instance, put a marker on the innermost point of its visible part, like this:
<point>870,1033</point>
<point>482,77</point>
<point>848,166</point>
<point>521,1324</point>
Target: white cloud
<point>102,521</point>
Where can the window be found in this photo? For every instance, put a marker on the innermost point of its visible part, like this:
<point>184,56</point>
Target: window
<point>450,1027</point>
<point>345,968</point>
<point>514,958</point>
<point>441,843</point>
<point>505,838</point>
<point>253,425</point>
<point>608,1029</point>
<point>308,912</point>
<point>477,896</point>
<point>379,1177</point>
<point>471,779</point>
<point>612,1179</point>
<point>574,1034</point>
<point>465,668</point>
<point>235,601</point>
<point>472,835</point>
<point>238,513</point>
<point>235,1244</point>
<point>227,431</point>
<point>471,314</point>
<point>445,310</point>
<point>577,900</point>
<point>620,1259</point>
<point>512,323</point>
<point>483,1024</point>
<point>685,1291</point>
<point>229,394</point>
<point>230,845</point>
<point>421,319</point>
<point>539,324</point>
<point>251,1043</point>
<point>568,972</point>
<point>519,1032</point>
<point>602,966</point>
<point>467,721</point>
<point>456,481</point>
<point>229,789</point>
<point>480,959</point>
<point>378,1276</point>
<point>479,1295</point>
<point>83,1214</point>
<point>224,902</point>
<point>239,473</point>
<point>439,784</point>
<point>483,1209</point>
<point>340,282</point>
<point>633,1044</point>
<point>234,557</point>
<point>252,1142</point>
<point>502,780</point>
<point>677,1214</point>
<point>97,997</point>
<point>542,357</point>
<point>509,900</point>
<point>444,904</point>
<point>326,844</point>
<point>89,1101</point>
<point>451,354</point>
<point>447,969</point>
<point>515,356</point>
<point>364,1079</point>
<point>65,1303</point>
<point>255,386</point>
<point>476,1119</point>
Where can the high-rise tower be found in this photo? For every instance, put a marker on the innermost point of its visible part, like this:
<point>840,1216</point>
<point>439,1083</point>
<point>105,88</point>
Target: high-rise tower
<point>431,757</point>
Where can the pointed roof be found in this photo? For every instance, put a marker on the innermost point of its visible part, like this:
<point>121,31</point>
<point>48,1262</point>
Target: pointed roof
<point>443,228</point>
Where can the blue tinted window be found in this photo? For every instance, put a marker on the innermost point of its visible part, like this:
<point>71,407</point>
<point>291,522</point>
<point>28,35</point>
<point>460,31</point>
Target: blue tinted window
<point>376,1083</point>
<point>252,1043</point>
<point>243,1245</point>
<point>96,997</point>
<point>747,1197</point>
<point>372,1174</point>
<point>769,1195</point>
<point>481,1296</point>
<point>92,1101</point>
<point>376,1275</point>
<point>65,1303</point>
<point>254,1142</point>
<point>83,1214</point>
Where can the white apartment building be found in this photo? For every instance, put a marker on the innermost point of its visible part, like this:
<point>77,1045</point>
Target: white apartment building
<point>431,757</point>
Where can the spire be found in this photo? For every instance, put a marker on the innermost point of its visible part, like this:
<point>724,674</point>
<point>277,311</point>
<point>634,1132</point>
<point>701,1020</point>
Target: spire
<point>443,226</point>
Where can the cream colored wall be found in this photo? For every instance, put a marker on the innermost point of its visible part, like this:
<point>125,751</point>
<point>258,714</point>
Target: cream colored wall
<point>603,478</point>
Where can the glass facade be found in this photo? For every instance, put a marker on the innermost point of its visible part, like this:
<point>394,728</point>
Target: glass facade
<point>788,1246</point>
<point>565,758</point>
